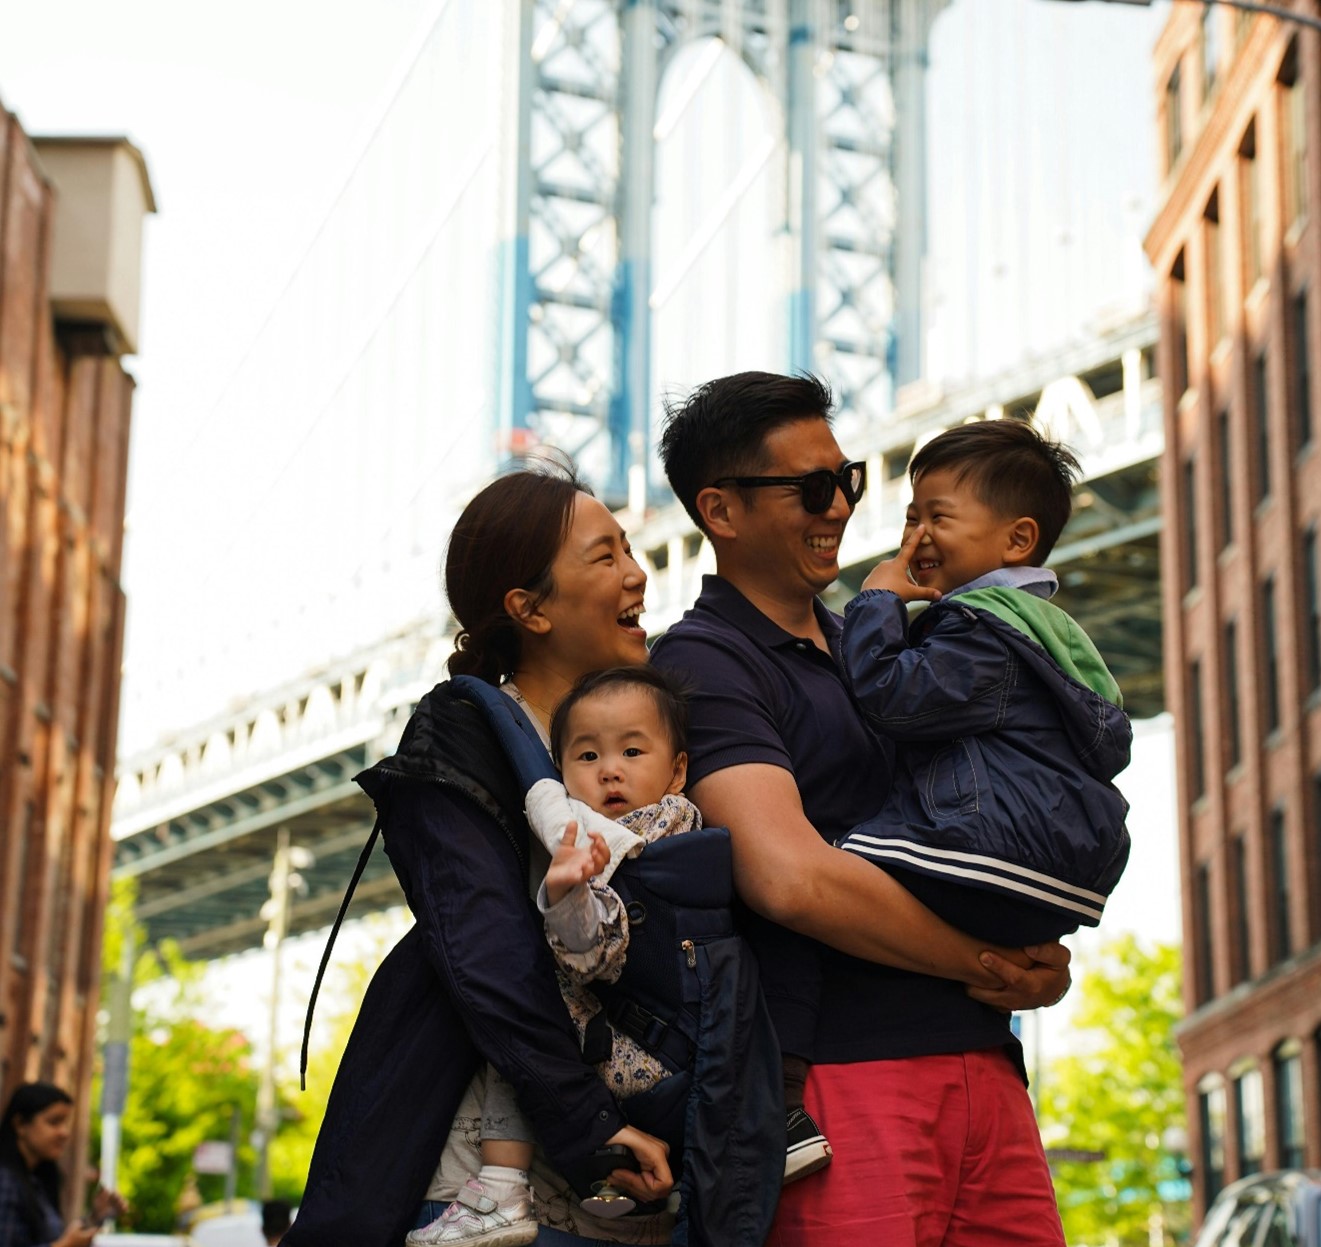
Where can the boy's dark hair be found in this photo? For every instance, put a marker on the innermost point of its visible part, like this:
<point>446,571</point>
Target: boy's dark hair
<point>720,429</point>
<point>1012,469</point>
<point>670,699</point>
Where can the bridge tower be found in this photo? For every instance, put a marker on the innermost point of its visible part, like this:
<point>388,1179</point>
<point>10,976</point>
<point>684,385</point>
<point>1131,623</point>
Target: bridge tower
<point>573,354</point>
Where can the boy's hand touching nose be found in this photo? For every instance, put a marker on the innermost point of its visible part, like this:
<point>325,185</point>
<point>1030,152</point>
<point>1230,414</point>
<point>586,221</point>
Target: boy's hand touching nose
<point>895,574</point>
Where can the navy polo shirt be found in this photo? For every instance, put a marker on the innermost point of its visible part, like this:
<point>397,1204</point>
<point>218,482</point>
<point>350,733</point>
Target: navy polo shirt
<point>762,695</point>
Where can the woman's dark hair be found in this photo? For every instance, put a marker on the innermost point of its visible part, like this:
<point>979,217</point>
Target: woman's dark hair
<point>670,698</point>
<point>29,1100</point>
<point>507,538</point>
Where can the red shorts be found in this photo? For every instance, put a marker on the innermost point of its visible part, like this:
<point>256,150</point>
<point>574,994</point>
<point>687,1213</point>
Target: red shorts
<point>933,1151</point>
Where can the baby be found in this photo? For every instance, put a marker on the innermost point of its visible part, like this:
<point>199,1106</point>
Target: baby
<point>618,739</point>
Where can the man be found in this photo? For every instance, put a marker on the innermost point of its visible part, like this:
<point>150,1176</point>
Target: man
<point>916,1078</point>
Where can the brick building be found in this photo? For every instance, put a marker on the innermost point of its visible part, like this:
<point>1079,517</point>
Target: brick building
<point>71,216</point>
<point>1235,246</point>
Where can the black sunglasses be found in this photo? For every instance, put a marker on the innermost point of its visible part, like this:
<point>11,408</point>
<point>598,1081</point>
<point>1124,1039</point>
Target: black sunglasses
<point>818,487</point>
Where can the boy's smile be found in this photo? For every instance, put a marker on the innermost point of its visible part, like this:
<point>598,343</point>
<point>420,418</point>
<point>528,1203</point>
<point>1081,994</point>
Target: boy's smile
<point>964,538</point>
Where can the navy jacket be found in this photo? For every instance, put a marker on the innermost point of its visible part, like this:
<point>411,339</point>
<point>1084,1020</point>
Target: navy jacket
<point>472,981</point>
<point>1005,757</point>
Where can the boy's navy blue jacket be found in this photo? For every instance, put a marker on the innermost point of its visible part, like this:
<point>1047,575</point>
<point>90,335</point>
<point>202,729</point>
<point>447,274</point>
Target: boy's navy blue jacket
<point>1008,736</point>
<point>472,981</point>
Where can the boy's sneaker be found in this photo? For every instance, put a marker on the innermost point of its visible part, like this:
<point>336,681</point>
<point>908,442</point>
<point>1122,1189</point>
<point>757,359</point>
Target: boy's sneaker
<point>474,1217</point>
<point>807,1149</point>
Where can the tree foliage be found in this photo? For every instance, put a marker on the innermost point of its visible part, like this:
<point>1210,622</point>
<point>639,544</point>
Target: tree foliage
<point>188,1081</point>
<point>1118,1093</point>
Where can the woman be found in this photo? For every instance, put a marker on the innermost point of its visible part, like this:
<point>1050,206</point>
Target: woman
<point>34,1133</point>
<point>541,579</point>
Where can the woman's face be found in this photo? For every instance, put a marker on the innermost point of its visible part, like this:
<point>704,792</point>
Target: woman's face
<point>45,1135</point>
<point>597,600</point>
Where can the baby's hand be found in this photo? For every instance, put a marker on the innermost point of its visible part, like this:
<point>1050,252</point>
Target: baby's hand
<point>574,864</point>
<point>894,574</point>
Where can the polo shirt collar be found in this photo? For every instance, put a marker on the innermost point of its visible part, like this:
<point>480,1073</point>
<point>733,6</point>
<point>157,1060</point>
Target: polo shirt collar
<point>719,595</point>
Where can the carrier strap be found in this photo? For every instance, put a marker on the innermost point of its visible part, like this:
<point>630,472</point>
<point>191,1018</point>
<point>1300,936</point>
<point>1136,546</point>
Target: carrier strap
<point>664,1040</point>
<point>363,858</point>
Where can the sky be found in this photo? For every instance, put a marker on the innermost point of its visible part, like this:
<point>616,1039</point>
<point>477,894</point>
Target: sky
<point>253,118</point>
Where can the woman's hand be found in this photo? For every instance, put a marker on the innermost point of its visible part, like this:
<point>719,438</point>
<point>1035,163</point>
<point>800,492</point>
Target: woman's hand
<point>655,1181</point>
<point>1044,981</point>
<point>79,1234</point>
<point>107,1205</point>
<point>574,863</point>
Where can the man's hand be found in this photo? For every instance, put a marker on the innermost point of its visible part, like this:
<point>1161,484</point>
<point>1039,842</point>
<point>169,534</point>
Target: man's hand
<point>895,574</point>
<point>573,863</point>
<point>1044,982</point>
<point>655,1181</point>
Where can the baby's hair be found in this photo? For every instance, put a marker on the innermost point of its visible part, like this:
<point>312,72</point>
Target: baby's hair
<point>670,699</point>
<point>1012,469</point>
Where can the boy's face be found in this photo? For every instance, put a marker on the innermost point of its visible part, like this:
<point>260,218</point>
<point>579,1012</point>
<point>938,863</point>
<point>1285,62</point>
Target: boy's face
<point>617,755</point>
<point>964,537</point>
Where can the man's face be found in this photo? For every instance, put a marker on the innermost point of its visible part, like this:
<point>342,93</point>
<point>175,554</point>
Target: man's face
<point>789,552</point>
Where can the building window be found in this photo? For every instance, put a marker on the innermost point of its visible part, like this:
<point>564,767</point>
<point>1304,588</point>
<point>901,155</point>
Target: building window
<point>1289,1113</point>
<point>1293,123</point>
<point>1270,657</point>
<point>1261,414</point>
<point>1173,118</point>
<point>1242,928</point>
<point>1226,479</point>
<point>1210,49</point>
<point>1211,1112</point>
<point>1312,605</point>
<point>1250,213</point>
<point>1234,736</point>
<point>1215,297</point>
<point>1250,1111</point>
<point>1190,523</point>
<point>1302,375</point>
<point>1179,327</point>
<point>1203,980</point>
<point>1280,909</point>
<point>1196,734</point>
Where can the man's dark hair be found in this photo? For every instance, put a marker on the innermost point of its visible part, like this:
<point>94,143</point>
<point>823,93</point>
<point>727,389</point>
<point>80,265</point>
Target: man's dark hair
<point>720,429</point>
<point>1012,469</point>
<point>670,699</point>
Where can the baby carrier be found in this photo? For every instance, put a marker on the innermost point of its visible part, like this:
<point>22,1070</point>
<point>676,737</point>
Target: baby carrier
<point>689,994</point>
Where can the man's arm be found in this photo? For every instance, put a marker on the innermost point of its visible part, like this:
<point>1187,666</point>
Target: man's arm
<point>785,871</point>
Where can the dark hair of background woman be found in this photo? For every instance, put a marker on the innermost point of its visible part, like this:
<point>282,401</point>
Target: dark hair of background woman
<point>506,538</point>
<point>28,1100</point>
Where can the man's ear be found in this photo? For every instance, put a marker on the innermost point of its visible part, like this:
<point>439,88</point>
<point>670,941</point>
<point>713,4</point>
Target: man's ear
<point>1021,540</point>
<point>713,506</point>
<point>524,609</point>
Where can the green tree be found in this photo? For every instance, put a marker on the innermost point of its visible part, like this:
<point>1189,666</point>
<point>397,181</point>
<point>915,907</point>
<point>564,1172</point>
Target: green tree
<point>188,1081</point>
<point>1118,1093</point>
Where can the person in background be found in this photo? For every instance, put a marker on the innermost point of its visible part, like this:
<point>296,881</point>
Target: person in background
<point>34,1134</point>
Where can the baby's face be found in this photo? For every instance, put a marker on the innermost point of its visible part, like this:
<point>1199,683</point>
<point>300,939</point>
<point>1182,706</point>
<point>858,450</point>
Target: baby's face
<point>617,755</point>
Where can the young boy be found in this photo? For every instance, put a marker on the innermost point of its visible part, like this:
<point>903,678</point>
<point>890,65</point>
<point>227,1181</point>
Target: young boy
<point>618,739</point>
<point>1008,726</point>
